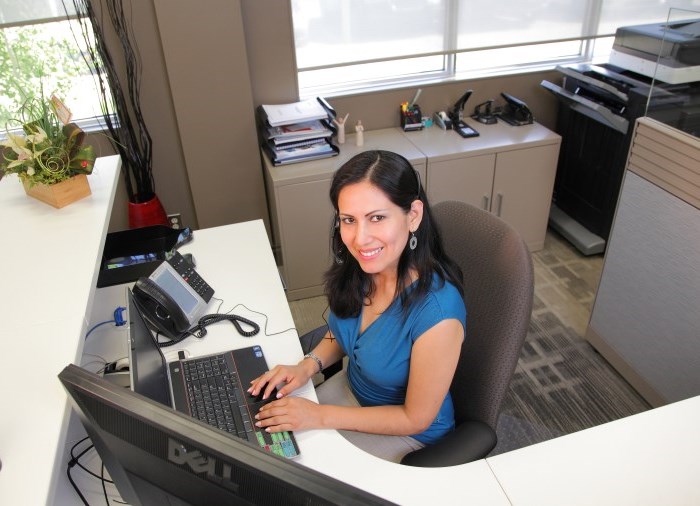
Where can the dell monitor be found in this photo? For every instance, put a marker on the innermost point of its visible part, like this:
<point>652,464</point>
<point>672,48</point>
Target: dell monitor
<point>156,455</point>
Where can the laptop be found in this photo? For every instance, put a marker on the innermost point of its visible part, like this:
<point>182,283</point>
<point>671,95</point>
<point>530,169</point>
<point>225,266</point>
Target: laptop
<point>211,388</point>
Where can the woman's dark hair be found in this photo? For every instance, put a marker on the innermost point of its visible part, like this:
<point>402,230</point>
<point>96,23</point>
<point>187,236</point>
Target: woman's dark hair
<point>346,284</point>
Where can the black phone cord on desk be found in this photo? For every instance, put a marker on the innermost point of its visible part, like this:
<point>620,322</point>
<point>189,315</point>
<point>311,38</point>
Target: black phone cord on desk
<point>235,319</point>
<point>199,330</point>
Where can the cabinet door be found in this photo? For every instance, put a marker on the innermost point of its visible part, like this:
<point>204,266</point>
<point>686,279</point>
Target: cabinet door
<point>468,179</point>
<point>305,216</point>
<point>522,190</point>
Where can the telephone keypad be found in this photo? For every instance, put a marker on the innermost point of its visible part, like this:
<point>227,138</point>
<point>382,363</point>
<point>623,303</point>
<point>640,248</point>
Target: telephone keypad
<point>191,277</point>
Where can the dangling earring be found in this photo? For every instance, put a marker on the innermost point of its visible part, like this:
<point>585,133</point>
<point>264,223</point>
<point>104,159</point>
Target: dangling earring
<point>336,255</point>
<point>413,241</point>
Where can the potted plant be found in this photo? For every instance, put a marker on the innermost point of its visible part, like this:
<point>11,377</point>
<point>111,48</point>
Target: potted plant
<point>48,156</point>
<point>118,79</point>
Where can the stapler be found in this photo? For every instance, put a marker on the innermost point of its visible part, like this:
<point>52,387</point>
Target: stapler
<point>456,112</point>
<point>456,116</point>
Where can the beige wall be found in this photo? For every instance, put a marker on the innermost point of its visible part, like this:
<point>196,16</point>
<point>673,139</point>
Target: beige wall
<point>208,64</point>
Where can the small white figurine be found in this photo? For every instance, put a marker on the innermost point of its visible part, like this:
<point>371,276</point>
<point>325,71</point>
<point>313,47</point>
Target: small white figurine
<point>359,139</point>
<point>340,123</point>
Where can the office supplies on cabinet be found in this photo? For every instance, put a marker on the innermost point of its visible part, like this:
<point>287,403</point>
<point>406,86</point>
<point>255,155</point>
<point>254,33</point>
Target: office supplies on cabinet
<point>411,117</point>
<point>484,113</point>
<point>443,121</point>
<point>298,132</point>
<point>456,113</point>
<point>515,111</point>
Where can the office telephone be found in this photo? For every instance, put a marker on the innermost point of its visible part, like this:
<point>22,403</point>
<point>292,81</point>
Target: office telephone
<point>173,297</point>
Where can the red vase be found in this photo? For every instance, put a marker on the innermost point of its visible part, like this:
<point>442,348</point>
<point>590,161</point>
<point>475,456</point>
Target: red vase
<point>145,214</point>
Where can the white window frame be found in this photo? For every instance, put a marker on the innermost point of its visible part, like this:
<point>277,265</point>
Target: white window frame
<point>587,52</point>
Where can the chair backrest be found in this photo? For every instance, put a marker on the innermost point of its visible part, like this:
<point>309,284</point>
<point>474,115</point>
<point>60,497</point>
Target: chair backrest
<point>498,285</point>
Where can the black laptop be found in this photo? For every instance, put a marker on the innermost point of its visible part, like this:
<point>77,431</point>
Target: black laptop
<point>211,388</point>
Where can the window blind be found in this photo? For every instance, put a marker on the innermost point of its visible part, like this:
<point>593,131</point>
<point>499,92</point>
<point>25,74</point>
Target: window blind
<point>23,12</point>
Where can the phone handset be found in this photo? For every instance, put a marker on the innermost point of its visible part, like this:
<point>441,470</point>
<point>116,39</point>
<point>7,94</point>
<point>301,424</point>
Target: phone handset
<point>160,309</point>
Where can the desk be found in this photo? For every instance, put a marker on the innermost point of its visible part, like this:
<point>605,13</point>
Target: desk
<point>645,459</point>
<point>51,257</point>
<point>237,261</point>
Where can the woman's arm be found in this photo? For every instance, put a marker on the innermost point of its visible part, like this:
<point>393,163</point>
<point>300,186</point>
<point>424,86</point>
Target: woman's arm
<point>433,361</point>
<point>328,351</point>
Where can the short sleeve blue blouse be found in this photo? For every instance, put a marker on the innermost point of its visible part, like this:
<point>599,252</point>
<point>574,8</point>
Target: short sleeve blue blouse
<point>379,358</point>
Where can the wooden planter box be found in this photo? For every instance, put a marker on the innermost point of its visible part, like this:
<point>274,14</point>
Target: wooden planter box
<point>60,194</point>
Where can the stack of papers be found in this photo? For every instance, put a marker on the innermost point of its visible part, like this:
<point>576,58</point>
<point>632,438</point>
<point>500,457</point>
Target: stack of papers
<point>285,114</point>
<point>297,132</point>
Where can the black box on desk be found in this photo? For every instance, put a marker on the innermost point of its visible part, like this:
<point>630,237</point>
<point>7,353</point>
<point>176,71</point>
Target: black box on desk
<point>131,254</point>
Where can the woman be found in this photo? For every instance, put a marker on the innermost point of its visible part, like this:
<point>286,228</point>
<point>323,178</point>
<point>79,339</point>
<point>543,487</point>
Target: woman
<point>396,312</point>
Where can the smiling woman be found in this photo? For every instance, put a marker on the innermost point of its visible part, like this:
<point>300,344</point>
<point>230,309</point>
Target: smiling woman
<point>397,314</point>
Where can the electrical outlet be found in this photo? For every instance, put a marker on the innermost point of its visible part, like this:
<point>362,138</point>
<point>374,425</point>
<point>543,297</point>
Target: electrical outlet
<point>175,220</point>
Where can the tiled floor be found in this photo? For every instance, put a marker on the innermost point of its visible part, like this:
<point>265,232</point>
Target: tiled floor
<point>566,281</point>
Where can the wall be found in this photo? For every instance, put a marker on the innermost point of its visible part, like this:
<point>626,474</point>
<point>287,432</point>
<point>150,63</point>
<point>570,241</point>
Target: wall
<point>207,65</point>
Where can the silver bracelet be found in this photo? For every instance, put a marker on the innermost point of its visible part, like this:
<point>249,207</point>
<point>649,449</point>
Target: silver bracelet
<point>315,359</point>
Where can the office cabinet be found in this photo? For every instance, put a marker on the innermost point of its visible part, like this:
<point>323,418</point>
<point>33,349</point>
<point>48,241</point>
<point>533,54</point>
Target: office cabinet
<point>507,170</point>
<point>301,213</point>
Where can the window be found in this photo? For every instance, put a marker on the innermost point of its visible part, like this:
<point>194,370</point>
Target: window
<point>350,45</point>
<point>38,51</point>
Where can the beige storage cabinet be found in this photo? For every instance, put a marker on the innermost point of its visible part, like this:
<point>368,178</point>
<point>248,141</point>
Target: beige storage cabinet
<point>301,212</point>
<point>507,170</point>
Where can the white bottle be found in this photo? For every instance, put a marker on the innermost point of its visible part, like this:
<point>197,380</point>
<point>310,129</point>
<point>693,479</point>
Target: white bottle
<point>359,139</point>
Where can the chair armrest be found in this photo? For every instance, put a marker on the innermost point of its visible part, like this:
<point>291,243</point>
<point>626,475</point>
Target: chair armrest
<point>471,440</point>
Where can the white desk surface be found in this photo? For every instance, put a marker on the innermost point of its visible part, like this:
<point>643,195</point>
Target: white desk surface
<point>237,261</point>
<point>51,257</point>
<point>645,459</point>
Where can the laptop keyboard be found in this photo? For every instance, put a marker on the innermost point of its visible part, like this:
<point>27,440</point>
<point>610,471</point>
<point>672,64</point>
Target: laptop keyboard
<point>216,397</point>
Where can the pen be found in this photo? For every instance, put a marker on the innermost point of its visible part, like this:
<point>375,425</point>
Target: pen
<point>415,99</point>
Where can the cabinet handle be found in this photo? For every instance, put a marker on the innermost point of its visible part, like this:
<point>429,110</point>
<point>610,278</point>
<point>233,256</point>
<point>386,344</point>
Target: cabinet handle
<point>485,201</point>
<point>499,203</point>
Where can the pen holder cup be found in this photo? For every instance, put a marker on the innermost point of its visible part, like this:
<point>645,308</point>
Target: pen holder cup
<point>411,118</point>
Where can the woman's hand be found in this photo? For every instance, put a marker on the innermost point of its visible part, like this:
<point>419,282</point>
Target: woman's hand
<point>293,376</point>
<point>289,413</point>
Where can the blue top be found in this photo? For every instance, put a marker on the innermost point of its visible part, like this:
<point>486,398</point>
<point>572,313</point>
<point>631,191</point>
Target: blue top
<point>379,358</point>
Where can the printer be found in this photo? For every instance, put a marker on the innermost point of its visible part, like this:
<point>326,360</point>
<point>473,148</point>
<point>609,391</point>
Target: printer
<point>675,46</point>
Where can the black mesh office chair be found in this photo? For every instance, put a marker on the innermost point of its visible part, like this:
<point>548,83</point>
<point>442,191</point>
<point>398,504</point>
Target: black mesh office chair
<point>498,286</point>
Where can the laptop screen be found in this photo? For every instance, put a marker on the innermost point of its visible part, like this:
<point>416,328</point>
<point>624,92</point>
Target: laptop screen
<point>147,366</point>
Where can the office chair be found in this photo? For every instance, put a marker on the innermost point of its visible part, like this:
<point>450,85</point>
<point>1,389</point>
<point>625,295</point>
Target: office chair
<point>498,291</point>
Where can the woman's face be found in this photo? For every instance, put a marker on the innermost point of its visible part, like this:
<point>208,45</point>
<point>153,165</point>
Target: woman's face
<point>374,229</point>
